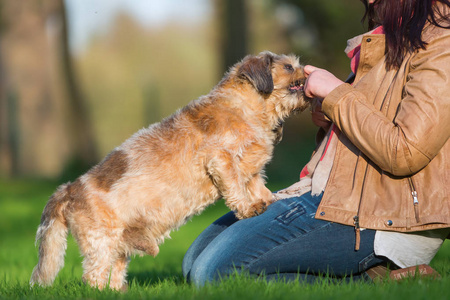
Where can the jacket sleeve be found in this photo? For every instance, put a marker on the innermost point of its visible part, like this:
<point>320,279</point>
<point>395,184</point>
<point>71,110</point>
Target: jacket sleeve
<point>421,126</point>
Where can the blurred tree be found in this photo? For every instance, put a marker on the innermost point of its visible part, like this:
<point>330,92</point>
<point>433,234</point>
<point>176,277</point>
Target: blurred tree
<point>82,140</point>
<point>319,29</point>
<point>39,92</point>
<point>232,15</point>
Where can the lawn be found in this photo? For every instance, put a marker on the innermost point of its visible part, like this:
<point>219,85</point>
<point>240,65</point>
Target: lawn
<point>21,203</point>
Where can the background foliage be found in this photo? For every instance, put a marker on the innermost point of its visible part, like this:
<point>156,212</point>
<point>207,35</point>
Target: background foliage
<point>62,111</point>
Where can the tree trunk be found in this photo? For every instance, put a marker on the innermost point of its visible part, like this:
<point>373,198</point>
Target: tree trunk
<point>44,123</point>
<point>81,130</point>
<point>8,127</point>
<point>233,20</point>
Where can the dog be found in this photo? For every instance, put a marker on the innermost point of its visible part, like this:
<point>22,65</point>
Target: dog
<point>215,147</point>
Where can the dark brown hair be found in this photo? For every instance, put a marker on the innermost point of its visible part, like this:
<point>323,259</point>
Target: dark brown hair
<point>403,22</point>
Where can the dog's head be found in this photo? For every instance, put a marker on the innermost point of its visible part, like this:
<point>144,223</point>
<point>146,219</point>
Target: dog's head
<point>279,79</point>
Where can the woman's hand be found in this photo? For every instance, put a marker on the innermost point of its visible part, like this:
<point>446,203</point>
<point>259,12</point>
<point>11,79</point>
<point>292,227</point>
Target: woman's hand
<point>318,117</point>
<point>319,82</point>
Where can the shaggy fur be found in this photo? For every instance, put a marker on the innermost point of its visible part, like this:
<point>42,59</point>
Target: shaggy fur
<point>216,146</point>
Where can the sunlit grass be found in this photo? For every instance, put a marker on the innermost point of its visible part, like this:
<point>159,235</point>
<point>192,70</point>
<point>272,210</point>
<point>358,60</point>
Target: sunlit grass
<point>21,203</point>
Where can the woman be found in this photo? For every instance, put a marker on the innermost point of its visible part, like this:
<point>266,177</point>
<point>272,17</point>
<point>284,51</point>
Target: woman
<point>376,190</point>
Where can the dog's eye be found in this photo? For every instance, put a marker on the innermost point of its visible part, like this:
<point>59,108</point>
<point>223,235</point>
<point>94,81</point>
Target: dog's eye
<point>289,67</point>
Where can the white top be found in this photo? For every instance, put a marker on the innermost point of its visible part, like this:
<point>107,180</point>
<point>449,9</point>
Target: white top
<point>409,249</point>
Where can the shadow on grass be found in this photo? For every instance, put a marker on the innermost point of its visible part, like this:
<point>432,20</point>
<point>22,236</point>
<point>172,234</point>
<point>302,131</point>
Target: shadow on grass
<point>149,278</point>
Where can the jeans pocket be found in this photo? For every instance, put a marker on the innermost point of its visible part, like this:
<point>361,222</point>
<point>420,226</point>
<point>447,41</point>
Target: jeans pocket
<point>371,261</point>
<point>366,262</point>
<point>288,216</point>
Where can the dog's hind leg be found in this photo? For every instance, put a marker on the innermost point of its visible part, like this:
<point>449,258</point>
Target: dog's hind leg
<point>118,273</point>
<point>97,265</point>
<point>98,246</point>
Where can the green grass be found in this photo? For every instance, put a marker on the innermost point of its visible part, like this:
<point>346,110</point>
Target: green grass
<point>21,203</point>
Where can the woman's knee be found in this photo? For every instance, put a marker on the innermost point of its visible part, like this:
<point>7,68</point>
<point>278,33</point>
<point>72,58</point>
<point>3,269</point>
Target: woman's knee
<point>220,258</point>
<point>198,267</point>
<point>207,269</point>
<point>204,239</point>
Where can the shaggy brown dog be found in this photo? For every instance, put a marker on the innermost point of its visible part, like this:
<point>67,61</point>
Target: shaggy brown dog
<point>216,146</point>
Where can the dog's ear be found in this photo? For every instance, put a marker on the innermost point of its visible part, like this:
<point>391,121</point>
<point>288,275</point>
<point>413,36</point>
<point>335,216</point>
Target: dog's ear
<point>257,70</point>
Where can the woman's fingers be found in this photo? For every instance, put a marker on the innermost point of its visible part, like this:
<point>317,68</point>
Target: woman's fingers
<point>319,82</point>
<point>308,69</point>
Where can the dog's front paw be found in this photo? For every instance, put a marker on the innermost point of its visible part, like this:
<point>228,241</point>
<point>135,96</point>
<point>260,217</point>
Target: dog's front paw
<point>258,208</point>
<point>251,211</point>
<point>265,198</point>
<point>248,213</point>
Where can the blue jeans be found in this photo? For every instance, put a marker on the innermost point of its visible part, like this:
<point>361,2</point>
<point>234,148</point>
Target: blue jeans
<point>285,242</point>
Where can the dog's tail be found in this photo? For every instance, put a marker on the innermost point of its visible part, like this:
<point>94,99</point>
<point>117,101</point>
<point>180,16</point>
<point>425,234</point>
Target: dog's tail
<point>52,235</point>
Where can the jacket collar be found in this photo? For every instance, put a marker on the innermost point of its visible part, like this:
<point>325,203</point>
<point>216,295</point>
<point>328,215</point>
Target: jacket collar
<point>354,49</point>
<point>353,43</point>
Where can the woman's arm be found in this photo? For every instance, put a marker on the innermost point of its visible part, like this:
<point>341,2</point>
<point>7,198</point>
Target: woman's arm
<point>421,126</point>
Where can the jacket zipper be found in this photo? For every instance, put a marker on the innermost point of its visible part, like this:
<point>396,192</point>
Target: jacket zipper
<point>356,218</point>
<point>415,199</point>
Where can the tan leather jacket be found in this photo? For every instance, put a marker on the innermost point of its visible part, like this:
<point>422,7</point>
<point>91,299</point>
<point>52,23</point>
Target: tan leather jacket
<point>392,165</point>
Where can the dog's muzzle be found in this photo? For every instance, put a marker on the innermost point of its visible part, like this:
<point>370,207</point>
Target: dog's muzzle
<point>296,86</point>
